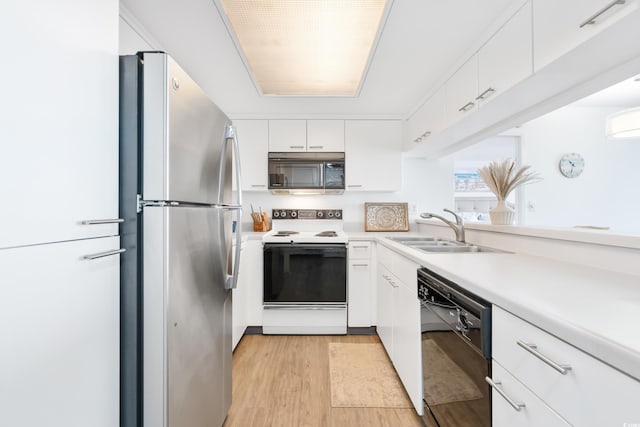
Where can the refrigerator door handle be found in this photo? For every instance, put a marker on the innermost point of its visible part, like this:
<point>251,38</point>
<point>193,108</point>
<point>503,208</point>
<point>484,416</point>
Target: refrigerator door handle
<point>231,279</point>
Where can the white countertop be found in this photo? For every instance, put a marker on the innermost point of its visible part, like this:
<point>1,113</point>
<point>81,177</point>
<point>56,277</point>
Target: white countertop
<point>593,309</point>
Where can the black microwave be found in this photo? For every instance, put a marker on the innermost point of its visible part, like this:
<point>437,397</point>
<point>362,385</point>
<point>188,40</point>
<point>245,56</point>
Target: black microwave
<point>306,173</point>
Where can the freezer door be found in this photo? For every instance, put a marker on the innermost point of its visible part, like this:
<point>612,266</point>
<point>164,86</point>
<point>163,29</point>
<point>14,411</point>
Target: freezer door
<point>187,319</point>
<point>183,134</point>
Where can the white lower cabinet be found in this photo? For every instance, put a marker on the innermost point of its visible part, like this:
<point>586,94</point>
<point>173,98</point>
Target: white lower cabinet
<point>60,329</point>
<point>529,410</point>
<point>398,322</point>
<point>581,389</point>
<point>359,288</point>
<point>247,296</point>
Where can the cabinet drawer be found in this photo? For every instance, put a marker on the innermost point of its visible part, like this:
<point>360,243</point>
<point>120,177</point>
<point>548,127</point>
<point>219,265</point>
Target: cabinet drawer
<point>590,393</point>
<point>359,250</point>
<point>534,413</point>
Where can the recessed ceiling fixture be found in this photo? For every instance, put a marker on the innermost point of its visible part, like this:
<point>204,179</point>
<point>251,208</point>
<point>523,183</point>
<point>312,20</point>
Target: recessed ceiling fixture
<point>624,124</point>
<point>306,47</point>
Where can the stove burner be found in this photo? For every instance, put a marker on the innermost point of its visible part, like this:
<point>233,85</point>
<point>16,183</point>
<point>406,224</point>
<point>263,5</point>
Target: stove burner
<point>327,234</point>
<point>284,233</point>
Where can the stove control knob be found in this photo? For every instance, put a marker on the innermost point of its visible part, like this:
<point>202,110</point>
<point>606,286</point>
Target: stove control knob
<point>294,214</point>
<point>276,214</point>
<point>320,214</point>
<point>330,214</point>
<point>283,214</point>
<point>338,214</point>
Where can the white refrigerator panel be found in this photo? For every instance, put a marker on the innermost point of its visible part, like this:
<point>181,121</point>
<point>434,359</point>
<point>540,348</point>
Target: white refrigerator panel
<point>58,120</point>
<point>183,135</point>
<point>59,323</point>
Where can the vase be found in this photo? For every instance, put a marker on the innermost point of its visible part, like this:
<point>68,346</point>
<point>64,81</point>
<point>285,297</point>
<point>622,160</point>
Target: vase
<point>502,214</point>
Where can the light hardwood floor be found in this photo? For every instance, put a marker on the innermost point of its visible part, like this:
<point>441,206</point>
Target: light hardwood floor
<point>283,381</point>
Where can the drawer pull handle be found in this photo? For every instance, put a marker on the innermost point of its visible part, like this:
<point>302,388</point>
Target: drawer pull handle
<point>258,185</point>
<point>102,221</point>
<point>104,254</point>
<point>296,147</point>
<point>531,348</point>
<point>360,265</point>
<point>592,19</point>
<point>316,147</point>
<point>354,185</point>
<point>360,247</point>
<point>517,406</point>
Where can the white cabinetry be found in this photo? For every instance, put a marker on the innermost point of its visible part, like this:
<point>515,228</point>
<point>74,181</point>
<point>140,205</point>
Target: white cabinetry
<point>253,141</point>
<point>287,135</point>
<point>428,119</point>
<point>325,135</point>
<point>59,132</point>
<point>247,296</point>
<point>59,312</point>
<point>507,57</point>
<point>558,27</point>
<point>398,319</point>
<point>306,135</point>
<point>59,323</point>
<point>581,389</point>
<point>461,91</point>
<point>360,289</point>
<point>373,155</point>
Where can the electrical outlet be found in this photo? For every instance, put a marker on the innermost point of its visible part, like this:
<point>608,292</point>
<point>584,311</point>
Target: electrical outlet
<point>531,206</point>
<point>413,208</point>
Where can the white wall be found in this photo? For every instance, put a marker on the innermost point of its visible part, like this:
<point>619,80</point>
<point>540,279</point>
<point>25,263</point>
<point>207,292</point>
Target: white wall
<point>427,185</point>
<point>606,194</point>
<point>130,41</point>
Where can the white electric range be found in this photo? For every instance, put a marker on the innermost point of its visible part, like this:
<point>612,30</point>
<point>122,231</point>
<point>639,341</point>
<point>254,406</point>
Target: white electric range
<point>305,273</point>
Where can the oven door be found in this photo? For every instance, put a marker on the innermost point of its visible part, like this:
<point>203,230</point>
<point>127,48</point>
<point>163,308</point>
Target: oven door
<point>305,274</point>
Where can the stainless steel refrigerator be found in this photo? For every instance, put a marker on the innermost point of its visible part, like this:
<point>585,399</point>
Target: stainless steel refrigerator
<point>176,154</point>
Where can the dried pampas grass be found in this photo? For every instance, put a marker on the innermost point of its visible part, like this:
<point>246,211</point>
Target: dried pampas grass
<point>502,177</point>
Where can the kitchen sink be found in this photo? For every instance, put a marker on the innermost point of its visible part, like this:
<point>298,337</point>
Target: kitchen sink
<point>437,245</point>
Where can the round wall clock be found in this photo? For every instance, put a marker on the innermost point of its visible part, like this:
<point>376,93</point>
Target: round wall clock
<point>571,165</point>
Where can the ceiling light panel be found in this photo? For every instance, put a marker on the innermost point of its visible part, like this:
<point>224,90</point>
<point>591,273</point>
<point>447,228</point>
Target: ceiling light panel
<point>306,47</point>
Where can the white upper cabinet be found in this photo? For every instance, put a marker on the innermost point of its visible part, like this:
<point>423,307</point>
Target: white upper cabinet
<point>559,27</point>
<point>373,155</point>
<point>325,135</point>
<point>253,141</point>
<point>461,91</point>
<point>287,135</point>
<point>428,119</point>
<point>59,132</point>
<point>506,58</point>
<point>306,135</point>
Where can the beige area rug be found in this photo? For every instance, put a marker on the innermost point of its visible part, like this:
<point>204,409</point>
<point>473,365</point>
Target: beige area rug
<point>447,382</point>
<point>362,377</point>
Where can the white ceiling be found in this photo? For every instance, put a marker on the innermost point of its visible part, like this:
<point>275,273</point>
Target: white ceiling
<point>625,94</point>
<point>422,41</point>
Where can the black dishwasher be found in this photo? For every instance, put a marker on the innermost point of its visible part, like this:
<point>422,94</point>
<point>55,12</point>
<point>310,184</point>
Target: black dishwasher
<point>456,353</point>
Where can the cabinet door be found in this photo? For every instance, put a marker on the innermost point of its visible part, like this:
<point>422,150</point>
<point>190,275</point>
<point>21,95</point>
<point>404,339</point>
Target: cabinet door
<point>559,27</point>
<point>373,155</point>
<point>59,131</point>
<point>534,413</point>
<point>59,323</point>
<point>461,91</point>
<point>287,135</point>
<point>507,58</point>
<point>429,119</point>
<point>385,310</point>
<point>407,349</point>
<point>253,261</point>
<point>325,135</point>
<point>253,141</point>
<point>359,295</point>
<point>239,299</point>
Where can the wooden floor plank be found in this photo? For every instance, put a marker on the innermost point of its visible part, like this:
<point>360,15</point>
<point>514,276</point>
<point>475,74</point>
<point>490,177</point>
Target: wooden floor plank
<point>283,381</point>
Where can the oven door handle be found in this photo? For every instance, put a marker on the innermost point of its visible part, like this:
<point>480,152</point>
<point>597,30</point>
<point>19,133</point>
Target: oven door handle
<point>305,306</point>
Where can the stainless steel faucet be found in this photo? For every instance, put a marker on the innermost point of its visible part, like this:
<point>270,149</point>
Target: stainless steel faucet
<point>458,227</point>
